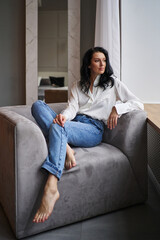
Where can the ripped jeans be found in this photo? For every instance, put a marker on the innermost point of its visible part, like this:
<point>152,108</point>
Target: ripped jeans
<point>82,131</point>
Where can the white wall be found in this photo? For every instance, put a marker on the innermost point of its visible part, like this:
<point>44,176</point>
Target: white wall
<point>141,48</point>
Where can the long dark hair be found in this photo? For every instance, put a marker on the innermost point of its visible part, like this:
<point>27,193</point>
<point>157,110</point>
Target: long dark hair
<point>105,79</point>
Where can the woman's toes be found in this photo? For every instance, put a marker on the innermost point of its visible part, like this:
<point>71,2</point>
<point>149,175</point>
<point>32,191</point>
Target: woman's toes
<point>74,164</point>
<point>38,218</point>
<point>35,218</point>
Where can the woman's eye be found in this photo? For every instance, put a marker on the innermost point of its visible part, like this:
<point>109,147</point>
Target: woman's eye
<point>97,60</point>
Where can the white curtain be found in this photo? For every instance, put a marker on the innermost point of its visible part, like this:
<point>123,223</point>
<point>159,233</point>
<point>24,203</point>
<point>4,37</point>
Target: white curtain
<point>107,31</point>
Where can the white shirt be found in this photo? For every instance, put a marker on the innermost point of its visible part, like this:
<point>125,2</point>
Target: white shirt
<point>100,102</point>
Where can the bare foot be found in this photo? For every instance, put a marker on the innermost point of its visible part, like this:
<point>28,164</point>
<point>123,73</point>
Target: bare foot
<point>70,158</point>
<point>50,196</point>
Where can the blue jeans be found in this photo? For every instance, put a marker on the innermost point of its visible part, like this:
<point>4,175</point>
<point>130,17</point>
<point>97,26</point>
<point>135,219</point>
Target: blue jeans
<point>82,131</point>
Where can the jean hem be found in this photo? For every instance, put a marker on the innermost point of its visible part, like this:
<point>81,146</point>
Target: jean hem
<point>50,168</point>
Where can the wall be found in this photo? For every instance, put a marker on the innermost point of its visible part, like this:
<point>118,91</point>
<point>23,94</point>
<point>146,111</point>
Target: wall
<point>73,42</point>
<point>141,49</point>
<point>88,14</point>
<point>31,24</point>
<point>52,41</point>
<point>12,52</point>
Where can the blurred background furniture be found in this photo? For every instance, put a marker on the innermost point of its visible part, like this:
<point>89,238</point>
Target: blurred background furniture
<point>108,177</point>
<point>57,85</point>
<point>56,96</point>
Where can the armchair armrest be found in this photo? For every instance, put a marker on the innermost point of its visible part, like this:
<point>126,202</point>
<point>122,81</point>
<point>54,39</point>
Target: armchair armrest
<point>23,150</point>
<point>130,136</point>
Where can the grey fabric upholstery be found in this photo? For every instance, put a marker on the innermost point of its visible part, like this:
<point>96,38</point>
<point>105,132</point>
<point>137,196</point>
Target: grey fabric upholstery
<point>108,177</point>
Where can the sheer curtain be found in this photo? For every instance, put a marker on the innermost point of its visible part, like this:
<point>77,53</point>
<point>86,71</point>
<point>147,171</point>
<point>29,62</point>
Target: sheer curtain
<point>107,31</point>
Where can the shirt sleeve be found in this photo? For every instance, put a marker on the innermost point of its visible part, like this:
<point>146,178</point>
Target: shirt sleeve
<point>73,105</point>
<point>126,100</point>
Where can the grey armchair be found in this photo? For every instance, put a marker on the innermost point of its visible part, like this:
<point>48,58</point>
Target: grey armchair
<point>110,176</point>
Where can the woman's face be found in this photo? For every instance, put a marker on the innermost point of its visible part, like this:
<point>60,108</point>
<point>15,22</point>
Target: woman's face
<point>98,64</point>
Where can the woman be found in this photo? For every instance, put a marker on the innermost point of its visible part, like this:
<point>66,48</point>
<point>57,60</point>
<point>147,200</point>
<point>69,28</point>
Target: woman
<point>93,102</point>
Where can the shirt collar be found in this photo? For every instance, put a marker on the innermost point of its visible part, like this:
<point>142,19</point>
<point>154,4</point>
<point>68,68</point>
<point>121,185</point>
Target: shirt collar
<point>96,81</point>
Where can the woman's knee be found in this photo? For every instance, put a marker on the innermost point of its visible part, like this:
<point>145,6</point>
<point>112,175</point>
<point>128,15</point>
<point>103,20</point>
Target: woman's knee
<point>36,105</point>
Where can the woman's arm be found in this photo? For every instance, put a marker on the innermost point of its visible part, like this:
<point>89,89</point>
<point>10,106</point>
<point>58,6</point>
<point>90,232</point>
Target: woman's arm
<point>113,118</point>
<point>73,106</point>
<point>128,101</point>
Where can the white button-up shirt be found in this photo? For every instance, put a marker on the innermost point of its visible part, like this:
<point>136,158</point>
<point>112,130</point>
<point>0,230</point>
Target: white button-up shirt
<point>98,104</point>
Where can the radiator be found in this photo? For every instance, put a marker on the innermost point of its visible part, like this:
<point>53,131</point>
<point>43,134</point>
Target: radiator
<point>154,156</point>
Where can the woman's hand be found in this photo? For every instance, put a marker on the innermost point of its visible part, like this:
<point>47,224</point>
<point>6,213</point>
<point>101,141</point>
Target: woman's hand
<point>60,119</point>
<point>112,120</point>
